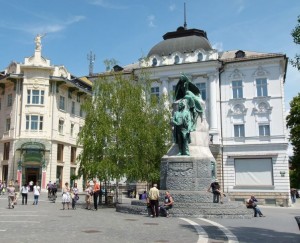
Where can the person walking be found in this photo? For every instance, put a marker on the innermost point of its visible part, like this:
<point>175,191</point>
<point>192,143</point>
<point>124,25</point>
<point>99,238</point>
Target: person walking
<point>293,195</point>
<point>66,196</point>
<point>24,192</point>
<point>216,190</point>
<point>36,194</point>
<point>11,194</point>
<point>74,196</point>
<point>96,191</point>
<point>17,191</point>
<point>154,196</point>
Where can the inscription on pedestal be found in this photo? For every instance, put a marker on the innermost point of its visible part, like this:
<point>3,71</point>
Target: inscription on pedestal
<point>180,166</point>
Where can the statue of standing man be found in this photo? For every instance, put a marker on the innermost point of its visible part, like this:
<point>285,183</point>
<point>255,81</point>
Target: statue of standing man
<point>182,127</point>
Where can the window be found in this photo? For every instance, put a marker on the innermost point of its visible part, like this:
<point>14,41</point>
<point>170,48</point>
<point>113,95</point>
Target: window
<point>34,122</point>
<point>199,57</point>
<point>176,59</point>
<point>174,92</point>
<point>9,100</point>
<point>155,92</point>
<point>154,62</point>
<point>264,130</point>
<point>35,97</point>
<point>72,130</point>
<point>73,154</point>
<point>73,108</point>
<point>261,87</point>
<point>78,97</point>
<point>81,112</point>
<point>239,131</point>
<point>7,125</point>
<point>237,89</point>
<point>253,172</point>
<point>6,151</point>
<point>62,103</point>
<point>60,152</point>
<point>0,104</point>
<point>61,126</point>
<point>202,88</point>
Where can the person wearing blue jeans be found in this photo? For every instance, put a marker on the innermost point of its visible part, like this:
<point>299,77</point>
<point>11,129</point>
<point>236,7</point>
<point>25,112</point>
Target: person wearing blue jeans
<point>252,203</point>
<point>36,193</point>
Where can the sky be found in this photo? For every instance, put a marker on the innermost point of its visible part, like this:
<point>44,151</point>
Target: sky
<point>126,30</point>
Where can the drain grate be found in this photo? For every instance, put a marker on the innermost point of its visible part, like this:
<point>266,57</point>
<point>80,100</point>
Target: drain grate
<point>131,219</point>
<point>91,231</point>
<point>150,223</point>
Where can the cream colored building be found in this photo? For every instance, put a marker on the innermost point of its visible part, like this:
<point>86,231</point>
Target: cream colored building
<point>244,96</point>
<point>40,117</point>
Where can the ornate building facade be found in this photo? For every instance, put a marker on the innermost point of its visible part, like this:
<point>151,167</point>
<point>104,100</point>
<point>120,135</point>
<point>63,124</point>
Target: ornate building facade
<point>244,96</point>
<point>40,117</point>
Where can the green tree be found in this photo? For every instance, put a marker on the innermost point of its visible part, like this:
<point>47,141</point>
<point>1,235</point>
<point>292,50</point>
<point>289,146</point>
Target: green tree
<point>296,38</point>
<point>293,123</point>
<point>126,132</point>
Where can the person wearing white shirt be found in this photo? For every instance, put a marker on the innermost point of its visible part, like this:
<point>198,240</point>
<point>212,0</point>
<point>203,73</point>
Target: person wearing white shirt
<point>36,193</point>
<point>24,191</point>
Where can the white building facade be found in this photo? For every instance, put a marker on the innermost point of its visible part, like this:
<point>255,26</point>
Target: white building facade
<point>244,96</point>
<point>40,117</point>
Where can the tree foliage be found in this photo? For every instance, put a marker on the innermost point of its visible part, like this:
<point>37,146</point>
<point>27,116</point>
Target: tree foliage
<point>126,132</point>
<point>296,38</point>
<point>293,123</point>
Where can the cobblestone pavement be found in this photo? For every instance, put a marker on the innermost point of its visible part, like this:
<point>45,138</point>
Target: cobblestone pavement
<point>47,222</point>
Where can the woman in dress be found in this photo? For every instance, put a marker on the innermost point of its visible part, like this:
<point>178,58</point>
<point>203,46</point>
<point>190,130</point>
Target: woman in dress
<point>75,196</point>
<point>66,196</point>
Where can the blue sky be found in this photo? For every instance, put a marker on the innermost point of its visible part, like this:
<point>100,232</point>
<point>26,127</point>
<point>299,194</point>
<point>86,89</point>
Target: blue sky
<point>127,29</point>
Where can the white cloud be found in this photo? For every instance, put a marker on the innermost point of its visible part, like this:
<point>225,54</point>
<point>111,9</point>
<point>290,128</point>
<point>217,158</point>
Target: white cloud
<point>218,46</point>
<point>106,4</point>
<point>151,19</point>
<point>43,27</point>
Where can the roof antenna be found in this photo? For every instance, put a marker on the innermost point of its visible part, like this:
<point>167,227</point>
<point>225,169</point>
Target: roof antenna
<point>91,58</point>
<point>184,18</point>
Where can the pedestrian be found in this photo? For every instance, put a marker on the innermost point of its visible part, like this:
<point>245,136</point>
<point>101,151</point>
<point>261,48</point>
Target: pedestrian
<point>168,204</point>
<point>216,190</point>
<point>49,188</point>
<point>96,191</point>
<point>17,191</point>
<point>24,192</point>
<point>88,195</point>
<point>74,195</point>
<point>36,194</point>
<point>11,194</point>
<point>1,187</point>
<point>144,196</point>
<point>31,186</point>
<point>252,203</point>
<point>66,196</point>
<point>154,196</point>
<point>293,195</point>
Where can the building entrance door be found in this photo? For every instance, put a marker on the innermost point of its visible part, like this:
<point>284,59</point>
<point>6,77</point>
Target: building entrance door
<point>32,174</point>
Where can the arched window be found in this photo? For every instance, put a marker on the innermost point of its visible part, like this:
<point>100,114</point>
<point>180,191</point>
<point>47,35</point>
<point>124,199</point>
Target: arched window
<point>154,62</point>
<point>176,59</point>
<point>200,57</point>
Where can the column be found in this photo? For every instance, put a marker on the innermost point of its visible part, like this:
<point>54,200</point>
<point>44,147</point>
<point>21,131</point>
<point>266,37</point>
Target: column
<point>213,111</point>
